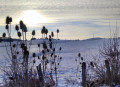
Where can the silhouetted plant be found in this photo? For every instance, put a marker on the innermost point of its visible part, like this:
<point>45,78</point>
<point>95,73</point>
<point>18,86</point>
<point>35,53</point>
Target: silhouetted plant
<point>46,32</point>
<point>111,53</point>
<point>24,29</point>
<point>4,35</point>
<point>108,71</point>
<point>33,32</point>
<point>21,71</point>
<point>17,28</point>
<point>52,34</point>
<point>57,33</point>
<point>79,61</point>
<point>43,31</point>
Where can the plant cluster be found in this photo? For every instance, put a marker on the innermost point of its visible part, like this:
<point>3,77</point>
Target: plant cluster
<point>22,70</point>
<point>106,71</point>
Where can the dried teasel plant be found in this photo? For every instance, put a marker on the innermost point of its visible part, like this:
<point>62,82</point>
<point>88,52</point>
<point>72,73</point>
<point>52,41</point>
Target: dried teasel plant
<point>21,71</point>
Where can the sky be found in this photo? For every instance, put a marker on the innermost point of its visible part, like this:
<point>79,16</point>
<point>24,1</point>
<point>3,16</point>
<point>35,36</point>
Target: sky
<point>76,19</point>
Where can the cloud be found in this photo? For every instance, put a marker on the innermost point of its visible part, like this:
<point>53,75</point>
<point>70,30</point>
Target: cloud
<point>88,16</point>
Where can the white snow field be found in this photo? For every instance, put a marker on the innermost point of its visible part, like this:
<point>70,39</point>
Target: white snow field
<point>70,50</point>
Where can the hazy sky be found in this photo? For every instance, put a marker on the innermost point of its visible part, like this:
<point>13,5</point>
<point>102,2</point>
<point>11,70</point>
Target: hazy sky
<point>76,19</point>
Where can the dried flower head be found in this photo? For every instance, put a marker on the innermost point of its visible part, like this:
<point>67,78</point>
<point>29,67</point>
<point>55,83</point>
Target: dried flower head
<point>60,48</point>
<point>84,64</point>
<point>4,35</point>
<point>34,55</point>
<point>60,58</point>
<point>43,51</point>
<point>17,27</point>
<point>10,19</point>
<point>33,32</point>
<point>24,28</point>
<point>7,20</point>
<point>14,45</point>
<point>46,31</point>
<point>79,55</point>
<point>21,24</point>
<point>17,52</point>
<point>19,34</point>
<point>52,34</point>
<point>57,30</point>
<point>91,63</point>
<point>38,45</point>
<point>81,58</point>
<point>7,27</point>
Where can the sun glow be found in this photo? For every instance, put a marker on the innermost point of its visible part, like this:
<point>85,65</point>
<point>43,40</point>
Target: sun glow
<point>32,18</point>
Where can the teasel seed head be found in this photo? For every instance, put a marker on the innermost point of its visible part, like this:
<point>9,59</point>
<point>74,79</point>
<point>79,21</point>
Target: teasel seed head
<point>19,34</point>
<point>33,32</point>
<point>60,48</point>
<point>4,35</point>
<point>7,20</point>
<point>34,55</point>
<point>79,55</point>
<point>52,34</point>
<point>17,27</point>
<point>7,27</point>
<point>10,19</point>
<point>57,30</point>
<point>38,45</point>
<point>14,45</point>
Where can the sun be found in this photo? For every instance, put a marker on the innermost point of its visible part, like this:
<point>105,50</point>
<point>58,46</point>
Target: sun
<point>32,18</point>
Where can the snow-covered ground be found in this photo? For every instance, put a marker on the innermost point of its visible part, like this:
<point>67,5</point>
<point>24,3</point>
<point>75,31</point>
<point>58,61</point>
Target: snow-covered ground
<point>70,50</point>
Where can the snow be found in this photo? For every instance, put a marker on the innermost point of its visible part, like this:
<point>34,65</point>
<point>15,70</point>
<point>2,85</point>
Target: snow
<point>70,50</point>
